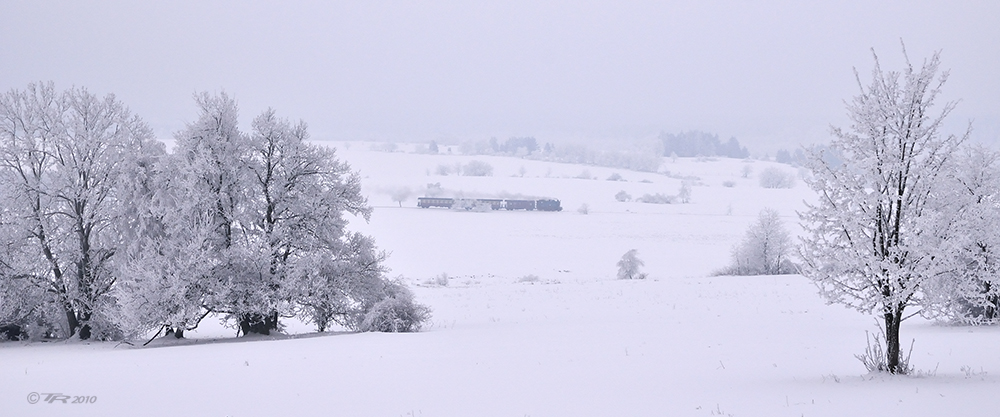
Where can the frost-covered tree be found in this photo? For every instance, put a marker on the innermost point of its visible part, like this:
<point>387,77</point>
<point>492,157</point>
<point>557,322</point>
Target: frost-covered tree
<point>874,237</point>
<point>252,226</point>
<point>339,276</point>
<point>477,168</point>
<point>773,177</point>
<point>765,248</point>
<point>73,165</point>
<point>629,265</point>
<point>969,292</point>
<point>684,193</point>
<point>395,312</point>
<point>297,198</point>
<point>178,269</point>
<point>105,235</point>
<point>400,194</point>
<point>341,288</point>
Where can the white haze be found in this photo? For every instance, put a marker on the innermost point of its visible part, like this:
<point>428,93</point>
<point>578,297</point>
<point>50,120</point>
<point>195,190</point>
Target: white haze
<point>772,74</point>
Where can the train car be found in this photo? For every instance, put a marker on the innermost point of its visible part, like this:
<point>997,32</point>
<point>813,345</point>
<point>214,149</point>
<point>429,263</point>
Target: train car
<point>425,202</point>
<point>548,205</point>
<point>495,203</point>
<point>519,204</point>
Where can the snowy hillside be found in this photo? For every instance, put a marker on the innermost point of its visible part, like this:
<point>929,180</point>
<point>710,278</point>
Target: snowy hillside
<point>531,321</point>
<point>675,240</point>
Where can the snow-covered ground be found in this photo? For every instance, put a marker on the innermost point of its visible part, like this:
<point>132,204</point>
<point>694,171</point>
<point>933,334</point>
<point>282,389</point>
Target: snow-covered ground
<point>573,342</point>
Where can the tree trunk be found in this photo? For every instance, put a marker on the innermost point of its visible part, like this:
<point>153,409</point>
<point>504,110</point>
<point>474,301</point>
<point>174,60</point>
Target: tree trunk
<point>85,326</point>
<point>892,321</point>
<point>258,323</point>
<point>71,320</point>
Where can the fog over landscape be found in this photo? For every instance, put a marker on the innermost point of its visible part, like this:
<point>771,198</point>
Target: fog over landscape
<point>515,208</point>
<point>771,74</point>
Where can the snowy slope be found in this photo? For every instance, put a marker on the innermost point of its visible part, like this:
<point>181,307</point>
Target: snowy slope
<point>576,342</point>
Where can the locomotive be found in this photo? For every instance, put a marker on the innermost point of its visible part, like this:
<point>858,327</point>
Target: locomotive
<point>545,204</point>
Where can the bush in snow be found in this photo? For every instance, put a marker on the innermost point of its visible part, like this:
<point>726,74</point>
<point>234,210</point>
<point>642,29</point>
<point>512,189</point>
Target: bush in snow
<point>656,199</point>
<point>629,264</point>
<point>477,169</point>
<point>764,250</point>
<point>385,147</point>
<point>773,177</point>
<point>874,357</point>
<point>395,313</point>
<point>342,288</point>
<point>439,280</point>
<point>615,177</point>
<point>623,196</point>
<point>443,170</point>
<point>583,209</point>
<point>684,194</point>
<point>529,278</point>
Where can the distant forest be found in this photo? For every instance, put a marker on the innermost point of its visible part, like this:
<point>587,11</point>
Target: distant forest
<point>697,143</point>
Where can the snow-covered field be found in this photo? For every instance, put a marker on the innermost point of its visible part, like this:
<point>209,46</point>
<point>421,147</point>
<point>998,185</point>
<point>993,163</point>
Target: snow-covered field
<point>568,340</point>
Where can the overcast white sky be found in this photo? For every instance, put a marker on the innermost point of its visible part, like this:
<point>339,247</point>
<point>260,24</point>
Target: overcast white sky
<point>769,73</point>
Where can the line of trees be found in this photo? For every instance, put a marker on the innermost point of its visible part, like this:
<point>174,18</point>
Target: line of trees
<point>698,143</point>
<point>105,235</point>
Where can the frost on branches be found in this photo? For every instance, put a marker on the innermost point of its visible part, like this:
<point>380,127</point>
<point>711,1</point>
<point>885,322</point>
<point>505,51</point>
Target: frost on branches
<point>71,163</point>
<point>969,291</point>
<point>764,250</point>
<point>881,227</point>
<point>629,264</point>
<point>106,235</point>
<point>254,228</point>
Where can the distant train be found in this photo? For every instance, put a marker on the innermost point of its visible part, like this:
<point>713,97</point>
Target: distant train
<point>545,204</point>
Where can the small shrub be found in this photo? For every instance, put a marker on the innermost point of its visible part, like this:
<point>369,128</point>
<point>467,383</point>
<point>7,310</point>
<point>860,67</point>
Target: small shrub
<point>439,280</point>
<point>584,209</point>
<point>615,177</point>
<point>384,147</point>
<point>529,278</point>
<point>628,266</point>
<point>443,170</point>
<point>729,184</point>
<point>656,199</point>
<point>585,175</point>
<point>875,359</point>
<point>764,250</point>
<point>684,194</point>
<point>773,177</point>
<point>395,314</point>
<point>477,169</point>
<point>623,196</point>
